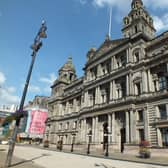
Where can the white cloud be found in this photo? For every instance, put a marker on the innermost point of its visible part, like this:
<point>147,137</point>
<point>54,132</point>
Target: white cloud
<point>122,8</point>
<point>7,94</point>
<point>121,5</point>
<point>47,90</point>
<point>7,98</point>
<point>11,89</point>
<point>161,23</point>
<point>155,4</point>
<point>83,2</point>
<point>2,79</point>
<point>48,80</point>
<point>34,89</point>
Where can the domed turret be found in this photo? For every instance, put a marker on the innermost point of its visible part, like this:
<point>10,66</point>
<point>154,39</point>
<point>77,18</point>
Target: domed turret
<point>138,22</point>
<point>67,73</point>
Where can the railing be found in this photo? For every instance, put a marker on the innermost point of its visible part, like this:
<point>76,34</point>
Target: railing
<point>160,119</point>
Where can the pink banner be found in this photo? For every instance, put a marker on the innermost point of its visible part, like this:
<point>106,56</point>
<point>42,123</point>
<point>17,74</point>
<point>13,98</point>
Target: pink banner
<point>37,125</point>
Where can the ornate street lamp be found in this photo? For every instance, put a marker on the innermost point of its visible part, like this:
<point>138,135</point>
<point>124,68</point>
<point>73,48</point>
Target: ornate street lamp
<point>105,125</point>
<point>35,47</point>
<point>73,141</point>
<point>89,142</point>
<point>106,145</point>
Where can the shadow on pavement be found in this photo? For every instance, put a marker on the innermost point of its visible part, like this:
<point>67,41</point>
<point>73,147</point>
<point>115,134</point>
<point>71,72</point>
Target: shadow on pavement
<point>102,165</point>
<point>30,160</point>
<point>1,150</point>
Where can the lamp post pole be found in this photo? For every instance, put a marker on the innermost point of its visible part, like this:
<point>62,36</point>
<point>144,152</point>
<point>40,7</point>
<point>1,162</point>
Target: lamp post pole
<point>106,146</point>
<point>73,141</point>
<point>35,47</point>
<point>106,134</point>
<point>89,141</point>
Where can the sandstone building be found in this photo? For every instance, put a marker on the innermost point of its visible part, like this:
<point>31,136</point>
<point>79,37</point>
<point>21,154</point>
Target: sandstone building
<point>123,92</point>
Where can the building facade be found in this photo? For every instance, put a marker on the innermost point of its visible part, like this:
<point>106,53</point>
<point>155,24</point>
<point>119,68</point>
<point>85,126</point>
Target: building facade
<point>123,94</point>
<point>32,126</point>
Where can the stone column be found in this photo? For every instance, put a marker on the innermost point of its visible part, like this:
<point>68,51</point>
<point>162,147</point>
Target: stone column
<point>131,59</point>
<point>157,112</point>
<point>132,126</point>
<point>85,130</point>
<point>86,99</point>
<point>99,95</point>
<point>82,130</point>
<point>150,81</point>
<point>114,62</point>
<point>78,132</point>
<point>127,55</point>
<point>167,110</point>
<point>99,70</point>
<point>146,124</point>
<point>96,96</point>
<point>127,127</point>
<point>144,82</point>
<point>113,127</point>
<point>60,110</point>
<point>112,67</point>
<point>127,85</point>
<point>93,129</point>
<point>67,107</point>
<point>111,90</point>
<point>74,105</point>
<point>110,127</point>
<point>96,130</point>
<point>131,86</point>
<point>159,136</point>
<point>88,76</point>
<point>114,90</point>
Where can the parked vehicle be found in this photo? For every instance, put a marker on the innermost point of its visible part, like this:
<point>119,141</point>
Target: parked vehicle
<point>4,142</point>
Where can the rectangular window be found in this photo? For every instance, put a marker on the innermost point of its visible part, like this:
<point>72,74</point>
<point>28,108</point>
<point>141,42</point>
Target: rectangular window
<point>141,135</point>
<point>123,60</point>
<point>140,116</point>
<point>94,73</point>
<point>162,83</point>
<point>137,88</point>
<point>123,88</point>
<point>137,57</point>
<point>164,132</point>
<point>162,111</point>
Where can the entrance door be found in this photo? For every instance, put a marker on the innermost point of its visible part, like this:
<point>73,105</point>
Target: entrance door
<point>165,136</point>
<point>123,137</point>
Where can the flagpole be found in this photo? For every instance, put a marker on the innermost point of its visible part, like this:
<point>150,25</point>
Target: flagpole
<point>110,21</point>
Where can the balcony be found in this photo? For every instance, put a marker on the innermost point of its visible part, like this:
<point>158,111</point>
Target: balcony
<point>161,120</point>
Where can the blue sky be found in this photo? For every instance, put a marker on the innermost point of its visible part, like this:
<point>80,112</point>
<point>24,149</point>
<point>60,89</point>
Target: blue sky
<point>74,26</point>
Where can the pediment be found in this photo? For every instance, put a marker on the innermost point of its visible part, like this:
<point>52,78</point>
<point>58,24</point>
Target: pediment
<point>108,45</point>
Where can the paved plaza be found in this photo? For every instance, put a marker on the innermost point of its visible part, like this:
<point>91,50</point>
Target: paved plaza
<point>38,158</point>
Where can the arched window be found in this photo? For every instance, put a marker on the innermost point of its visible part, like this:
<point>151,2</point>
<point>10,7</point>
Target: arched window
<point>136,55</point>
